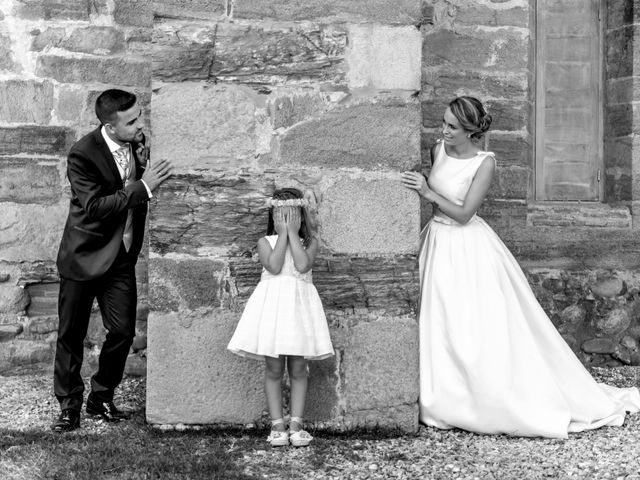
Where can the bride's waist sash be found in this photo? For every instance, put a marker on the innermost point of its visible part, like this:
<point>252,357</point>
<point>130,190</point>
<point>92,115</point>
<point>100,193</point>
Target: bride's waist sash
<point>444,219</point>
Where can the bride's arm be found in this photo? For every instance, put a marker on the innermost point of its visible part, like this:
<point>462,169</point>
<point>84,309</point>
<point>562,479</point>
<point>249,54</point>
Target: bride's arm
<point>475,196</point>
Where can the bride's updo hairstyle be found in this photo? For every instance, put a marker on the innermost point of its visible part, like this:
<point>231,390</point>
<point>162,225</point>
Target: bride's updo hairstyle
<point>472,115</point>
<point>291,197</point>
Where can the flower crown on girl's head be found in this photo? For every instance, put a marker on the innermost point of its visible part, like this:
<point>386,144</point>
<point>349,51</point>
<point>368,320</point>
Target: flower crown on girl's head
<point>292,202</point>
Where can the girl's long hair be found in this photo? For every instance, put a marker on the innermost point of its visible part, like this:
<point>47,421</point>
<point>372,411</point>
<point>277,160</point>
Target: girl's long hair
<point>305,232</point>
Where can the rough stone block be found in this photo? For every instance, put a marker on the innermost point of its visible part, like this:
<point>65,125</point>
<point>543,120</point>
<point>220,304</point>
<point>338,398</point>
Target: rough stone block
<point>10,331</point>
<point>578,215</point>
<point>23,352</point>
<point>250,53</point>
<point>189,9</point>
<point>475,14</point>
<point>401,417</point>
<point>35,140</point>
<point>286,111</point>
<point>405,12</point>
<point>186,283</point>
<point>622,13</point>
<point>51,37</point>
<point>209,215</point>
<point>137,13</point>
<point>13,299</point>
<point>445,84</point>
<point>367,136</point>
<point>510,183</point>
<point>360,216</point>
<point>322,392</point>
<point>622,90</point>
<point>481,49</point>
<point>200,382</point>
<point>6,54</point>
<point>95,39</point>
<point>380,366</point>
<point>44,298</point>
<point>384,57</point>
<point>136,366</point>
<point>59,10</point>
<point>620,56</point>
<point>71,103</point>
<point>110,70</point>
<point>30,231</point>
<point>511,149</point>
<point>26,101</point>
<point>42,326</point>
<point>621,120</point>
<point>27,180</point>
<point>186,132</point>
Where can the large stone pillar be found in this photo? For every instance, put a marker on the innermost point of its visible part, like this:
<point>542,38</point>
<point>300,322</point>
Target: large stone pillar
<point>322,99</point>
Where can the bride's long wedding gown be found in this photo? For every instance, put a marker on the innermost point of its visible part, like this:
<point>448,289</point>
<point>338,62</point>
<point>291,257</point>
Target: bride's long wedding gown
<point>491,361</point>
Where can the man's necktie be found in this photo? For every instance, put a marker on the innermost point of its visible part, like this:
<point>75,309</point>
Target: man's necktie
<point>122,156</point>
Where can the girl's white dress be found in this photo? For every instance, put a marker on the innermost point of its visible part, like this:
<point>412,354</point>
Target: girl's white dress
<point>283,316</point>
<point>491,361</point>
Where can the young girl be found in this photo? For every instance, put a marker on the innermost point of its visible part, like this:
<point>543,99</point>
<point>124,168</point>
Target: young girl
<point>283,320</point>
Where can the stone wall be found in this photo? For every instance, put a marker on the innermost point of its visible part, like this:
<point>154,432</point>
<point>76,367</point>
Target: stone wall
<point>321,97</point>
<point>55,59</point>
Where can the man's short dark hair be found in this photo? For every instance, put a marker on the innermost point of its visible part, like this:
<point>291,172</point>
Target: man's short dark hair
<point>110,102</point>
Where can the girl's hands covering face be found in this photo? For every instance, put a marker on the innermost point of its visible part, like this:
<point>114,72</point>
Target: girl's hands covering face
<point>293,220</point>
<point>279,220</point>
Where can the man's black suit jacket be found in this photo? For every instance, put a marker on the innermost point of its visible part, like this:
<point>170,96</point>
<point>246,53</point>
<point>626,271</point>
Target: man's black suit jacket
<point>98,210</point>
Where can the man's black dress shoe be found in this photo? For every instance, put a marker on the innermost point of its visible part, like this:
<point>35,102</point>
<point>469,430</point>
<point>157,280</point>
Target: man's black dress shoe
<point>105,410</point>
<point>68,421</point>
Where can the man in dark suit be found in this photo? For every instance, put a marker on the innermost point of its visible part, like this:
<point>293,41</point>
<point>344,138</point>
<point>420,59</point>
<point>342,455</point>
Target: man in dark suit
<point>111,184</point>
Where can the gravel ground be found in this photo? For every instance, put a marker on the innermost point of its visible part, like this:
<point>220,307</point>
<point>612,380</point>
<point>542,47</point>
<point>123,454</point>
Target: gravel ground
<point>26,403</point>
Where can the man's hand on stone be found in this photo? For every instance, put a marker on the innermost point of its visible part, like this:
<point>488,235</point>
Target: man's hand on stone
<point>157,173</point>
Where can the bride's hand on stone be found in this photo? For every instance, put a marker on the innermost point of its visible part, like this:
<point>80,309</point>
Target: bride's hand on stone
<point>416,181</point>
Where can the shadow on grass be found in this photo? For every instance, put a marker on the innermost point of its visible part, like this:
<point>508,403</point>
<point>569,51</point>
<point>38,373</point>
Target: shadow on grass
<point>131,450</point>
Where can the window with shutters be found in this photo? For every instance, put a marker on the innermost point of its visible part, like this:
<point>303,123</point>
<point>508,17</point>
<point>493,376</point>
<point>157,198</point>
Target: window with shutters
<point>568,106</point>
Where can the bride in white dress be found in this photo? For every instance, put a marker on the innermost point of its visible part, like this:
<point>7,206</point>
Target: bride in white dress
<point>491,361</point>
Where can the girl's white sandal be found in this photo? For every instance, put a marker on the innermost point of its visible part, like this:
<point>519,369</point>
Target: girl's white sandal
<point>299,438</point>
<point>276,438</point>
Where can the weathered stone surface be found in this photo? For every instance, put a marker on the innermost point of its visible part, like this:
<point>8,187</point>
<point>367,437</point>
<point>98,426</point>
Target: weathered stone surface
<point>71,102</point>
<point>30,231</point>
<point>367,136</point>
<point>322,392</point>
<point>504,214</point>
<point>28,180</point>
<point>185,132</point>
<point>609,287</point>
<point>402,417</point>
<point>186,283</point>
<point>380,367</point>
<point>511,149</point>
<point>446,84</point>
<point>220,386</point>
<point>42,325</point>
<point>384,57</point>
<point>620,57</point>
<point>136,366</point>
<point>13,299</point>
<point>6,54</point>
<point>189,9</point>
<point>199,215</point>
<point>618,161</point>
<point>347,224</point>
<point>35,140</point>
<point>110,70</point>
<point>623,355</point>
<point>59,10</point>
<point>475,14</point>
<point>26,101</point>
<point>4,277</point>
<point>9,331</point>
<point>405,12</point>
<point>482,49</point>
<point>577,215</point>
<point>23,352</point>
<point>622,90</point>
<point>387,285</point>
<point>622,13</point>
<point>277,53</point>
<point>44,298</point>
<point>629,343</point>
<point>137,13</point>
<point>286,111</point>
<point>510,183</point>
<point>599,345</point>
<point>139,343</point>
<point>572,318</point>
<point>95,39</point>
<point>614,322</point>
<point>619,119</point>
<point>51,37</point>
